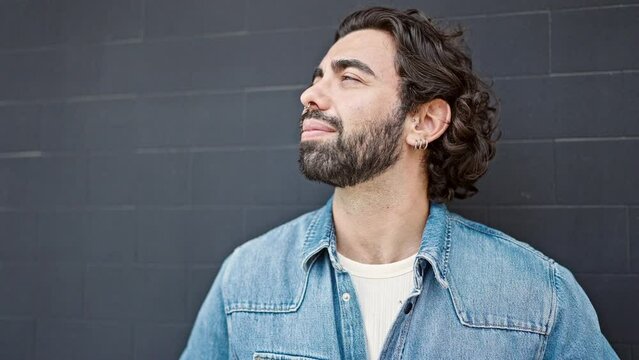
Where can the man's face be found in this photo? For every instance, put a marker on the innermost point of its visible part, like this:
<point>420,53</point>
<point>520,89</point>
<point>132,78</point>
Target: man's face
<point>354,127</point>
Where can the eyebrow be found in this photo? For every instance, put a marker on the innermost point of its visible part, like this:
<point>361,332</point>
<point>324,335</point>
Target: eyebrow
<point>341,64</point>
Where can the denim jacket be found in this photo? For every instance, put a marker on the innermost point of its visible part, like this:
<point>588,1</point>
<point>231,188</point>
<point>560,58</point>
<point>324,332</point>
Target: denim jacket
<point>478,294</point>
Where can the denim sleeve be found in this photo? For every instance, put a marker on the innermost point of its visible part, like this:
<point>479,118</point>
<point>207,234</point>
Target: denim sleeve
<point>575,333</point>
<point>209,336</point>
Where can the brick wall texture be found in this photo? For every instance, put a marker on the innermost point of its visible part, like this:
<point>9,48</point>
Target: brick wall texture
<point>141,141</point>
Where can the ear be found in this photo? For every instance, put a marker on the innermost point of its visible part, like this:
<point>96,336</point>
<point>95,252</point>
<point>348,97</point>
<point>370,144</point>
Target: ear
<point>428,122</point>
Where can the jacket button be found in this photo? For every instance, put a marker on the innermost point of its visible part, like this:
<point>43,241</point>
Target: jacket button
<point>346,296</point>
<point>409,306</point>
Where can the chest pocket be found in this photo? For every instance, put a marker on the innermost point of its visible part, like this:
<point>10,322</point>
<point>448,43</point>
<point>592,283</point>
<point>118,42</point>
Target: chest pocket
<point>274,356</point>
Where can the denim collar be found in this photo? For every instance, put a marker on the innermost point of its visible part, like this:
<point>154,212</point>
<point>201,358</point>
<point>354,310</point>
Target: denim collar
<point>434,247</point>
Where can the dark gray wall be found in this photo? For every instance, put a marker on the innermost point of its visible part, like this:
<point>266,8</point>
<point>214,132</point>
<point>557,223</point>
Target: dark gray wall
<point>142,140</point>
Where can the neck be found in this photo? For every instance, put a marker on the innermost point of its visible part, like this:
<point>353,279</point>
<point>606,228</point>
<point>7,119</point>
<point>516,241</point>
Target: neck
<point>382,220</point>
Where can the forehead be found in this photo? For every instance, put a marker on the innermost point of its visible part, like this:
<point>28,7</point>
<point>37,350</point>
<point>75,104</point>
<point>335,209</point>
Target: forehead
<point>375,48</point>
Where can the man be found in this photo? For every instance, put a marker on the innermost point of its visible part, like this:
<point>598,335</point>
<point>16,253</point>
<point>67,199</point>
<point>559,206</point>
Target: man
<point>397,121</point>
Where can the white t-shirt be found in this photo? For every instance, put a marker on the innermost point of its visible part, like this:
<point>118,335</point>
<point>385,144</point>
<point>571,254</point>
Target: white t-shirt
<point>381,290</point>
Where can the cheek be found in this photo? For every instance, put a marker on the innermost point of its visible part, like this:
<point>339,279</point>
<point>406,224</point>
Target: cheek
<point>358,111</point>
<point>377,110</point>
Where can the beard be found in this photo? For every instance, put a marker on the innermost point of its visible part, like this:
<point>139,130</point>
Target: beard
<point>348,160</point>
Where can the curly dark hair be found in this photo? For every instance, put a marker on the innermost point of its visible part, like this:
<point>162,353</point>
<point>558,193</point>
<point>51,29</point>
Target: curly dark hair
<point>432,63</point>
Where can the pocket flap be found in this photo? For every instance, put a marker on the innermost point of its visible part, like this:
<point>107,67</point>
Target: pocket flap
<point>279,356</point>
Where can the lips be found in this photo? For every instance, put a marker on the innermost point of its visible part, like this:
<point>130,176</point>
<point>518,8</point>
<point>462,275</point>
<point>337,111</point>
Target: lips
<point>316,125</point>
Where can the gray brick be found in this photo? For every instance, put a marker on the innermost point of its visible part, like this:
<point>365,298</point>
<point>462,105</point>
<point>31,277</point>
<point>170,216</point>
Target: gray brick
<point>576,105</point>
<point>18,293</point>
<point>367,3</point>
<point>19,128</point>
<point>296,14</point>
<point>314,193</point>
<point>193,17</point>
<point>567,4</point>
<point>588,172</point>
<point>201,236</point>
<point>111,236</point>
<point>162,235</point>
<point>614,297</point>
<point>84,21</point>
<point>58,339</point>
<point>219,178</point>
<point>31,289</point>
<point>17,242</point>
<point>521,173</point>
<point>523,37</point>
<point>109,292</point>
<point>634,239</point>
<point>200,282</point>
<point>187,64</point>
<point>469,7</point>
<point>32,24</point>
<point>282,182</point>
<point>261,220</point>
<point>28,24</point>
<point>572,236</point>
<point>16,339</point>
<point>69,339</point>
<point>107,124</point>
<point>33,74</point>
<point>13,184</point>
<point>568,106</point>
<point>57,181</point>
<point>196,63</point>
<point>111,128</point>
<point>160,342</point>
<point>287,58</point>
<point>106,341</point>
<point>112,180</point>
<point>272,118</point>
<point>62,127</point>
<point>213,235</point>
<point>202,120</point>
<point>62,236</point>
<point>162,179</point>
<point>100,69</point>
<point>527,108</point>
<point>65,71</point>
<point>193,64</point>
<point>141,293</point>
<point>60,287</point>
<point>597,39</point>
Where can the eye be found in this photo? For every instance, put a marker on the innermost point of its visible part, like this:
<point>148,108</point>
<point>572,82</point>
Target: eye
<point>346,77</point>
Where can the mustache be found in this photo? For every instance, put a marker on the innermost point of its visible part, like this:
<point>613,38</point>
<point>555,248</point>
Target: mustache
<point>316,114</point>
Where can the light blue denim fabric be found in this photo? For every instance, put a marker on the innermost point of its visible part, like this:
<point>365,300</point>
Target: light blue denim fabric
<point>479,294</point>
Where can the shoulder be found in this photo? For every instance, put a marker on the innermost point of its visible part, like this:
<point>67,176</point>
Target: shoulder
<point>275,256</point>
<point>480,241</point>
<point>498,281</point>
<point>575,331</point>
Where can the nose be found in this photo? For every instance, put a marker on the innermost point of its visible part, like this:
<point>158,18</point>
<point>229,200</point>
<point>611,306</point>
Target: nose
<point>316,95</point>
